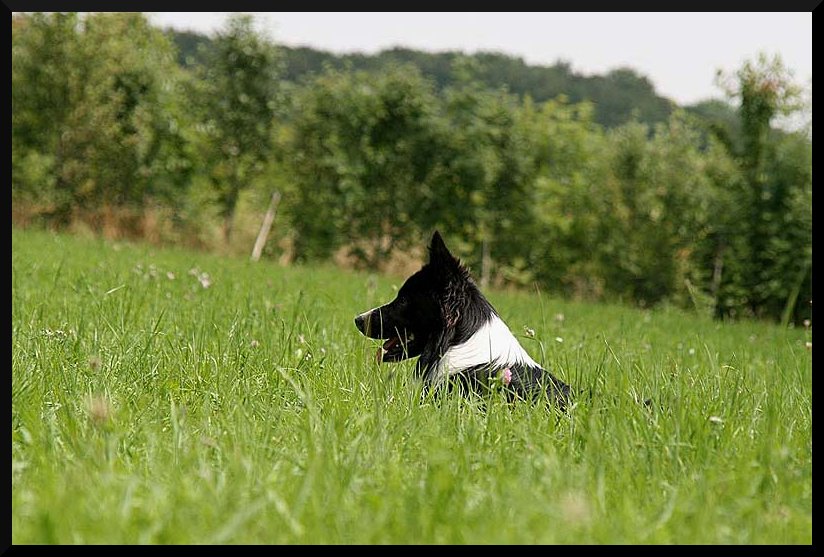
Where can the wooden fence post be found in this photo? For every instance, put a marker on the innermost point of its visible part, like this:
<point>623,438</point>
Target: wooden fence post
<point>265,226</point>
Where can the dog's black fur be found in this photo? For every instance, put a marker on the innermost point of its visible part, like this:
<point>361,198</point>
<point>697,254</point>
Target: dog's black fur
<point>440,308</point>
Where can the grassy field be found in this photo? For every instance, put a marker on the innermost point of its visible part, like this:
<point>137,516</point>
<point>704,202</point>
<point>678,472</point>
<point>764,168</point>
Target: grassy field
<point>165,396</point>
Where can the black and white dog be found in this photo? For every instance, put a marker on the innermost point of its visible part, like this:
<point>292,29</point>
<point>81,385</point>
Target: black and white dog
<point>441,316</point>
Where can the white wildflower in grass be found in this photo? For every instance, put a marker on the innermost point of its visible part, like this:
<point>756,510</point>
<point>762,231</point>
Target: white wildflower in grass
<point>170,275</point>
<point>691,351</point>
<point>55,334</point>
<point>559,339</point>
<point>202,277</point>
<point>529,333</point>
<point>807,323</point>
<point>254,344</point>
<point>808,345</point>
<point>715,420</point>
<point>559,317</point>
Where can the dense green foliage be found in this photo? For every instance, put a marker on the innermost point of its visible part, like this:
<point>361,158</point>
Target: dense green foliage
<point>588,187</point>
<point>778,179</point>
<point>618,97</point>
<point>97,113</point>
<point>167,396</point>
<point>238,101</point>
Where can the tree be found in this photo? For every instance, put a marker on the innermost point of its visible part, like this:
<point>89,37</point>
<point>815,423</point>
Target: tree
<point>765,90</point>
<point>42,47</point>
<point>556,251</point>
<point>95,107</point>
<point>362,152</point>
<point>239,102</point>
<point>480,192</point>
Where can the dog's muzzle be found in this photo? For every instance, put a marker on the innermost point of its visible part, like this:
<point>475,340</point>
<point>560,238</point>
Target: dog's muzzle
<point>399,345</point>
<point>361,321</point>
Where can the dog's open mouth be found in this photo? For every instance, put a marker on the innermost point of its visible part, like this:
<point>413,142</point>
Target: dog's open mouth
<point>396,349</point>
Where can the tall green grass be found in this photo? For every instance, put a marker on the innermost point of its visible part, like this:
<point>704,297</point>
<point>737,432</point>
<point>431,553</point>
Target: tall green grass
<point>165,396</point>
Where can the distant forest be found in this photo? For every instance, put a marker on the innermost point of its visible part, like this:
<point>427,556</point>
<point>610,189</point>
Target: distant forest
<point>620,96</point>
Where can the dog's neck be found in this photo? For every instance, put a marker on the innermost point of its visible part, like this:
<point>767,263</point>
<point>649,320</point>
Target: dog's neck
<point>492,344</point>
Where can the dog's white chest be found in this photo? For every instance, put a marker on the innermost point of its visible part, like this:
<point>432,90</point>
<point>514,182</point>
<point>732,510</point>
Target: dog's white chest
<point>493,344</point>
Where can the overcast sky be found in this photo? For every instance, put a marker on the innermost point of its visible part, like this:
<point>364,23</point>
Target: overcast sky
<point>679,52</point>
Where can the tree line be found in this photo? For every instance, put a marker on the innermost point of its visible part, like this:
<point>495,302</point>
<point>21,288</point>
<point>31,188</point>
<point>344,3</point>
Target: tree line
<point>618,97</point>
<point>709,208</point>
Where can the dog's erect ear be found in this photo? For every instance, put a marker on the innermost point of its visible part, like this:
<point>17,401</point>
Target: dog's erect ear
<point>440,255</point>
<point>438,250</point>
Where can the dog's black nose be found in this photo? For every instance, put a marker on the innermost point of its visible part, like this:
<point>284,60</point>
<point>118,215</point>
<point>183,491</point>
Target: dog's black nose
<point>359,322</point>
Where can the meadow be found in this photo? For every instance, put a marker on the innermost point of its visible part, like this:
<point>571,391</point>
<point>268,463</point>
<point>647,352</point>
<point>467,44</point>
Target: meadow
<point>170,396</point>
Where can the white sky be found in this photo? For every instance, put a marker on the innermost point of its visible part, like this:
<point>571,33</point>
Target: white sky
<point>678,52</point>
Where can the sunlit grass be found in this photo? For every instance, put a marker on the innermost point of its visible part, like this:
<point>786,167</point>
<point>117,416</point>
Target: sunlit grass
<point>165,396</point>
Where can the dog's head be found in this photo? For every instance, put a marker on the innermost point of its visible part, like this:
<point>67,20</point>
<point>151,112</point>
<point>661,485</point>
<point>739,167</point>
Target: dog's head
<point>428,303</point>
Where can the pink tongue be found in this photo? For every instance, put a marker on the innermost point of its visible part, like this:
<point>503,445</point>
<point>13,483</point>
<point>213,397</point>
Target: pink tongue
<point>386,347</point>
